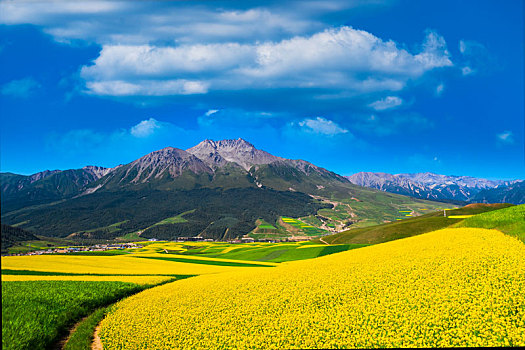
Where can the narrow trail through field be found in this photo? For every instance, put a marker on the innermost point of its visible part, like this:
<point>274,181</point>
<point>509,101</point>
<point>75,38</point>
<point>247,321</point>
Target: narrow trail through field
<point>97,343</point>
<point>62,343</point>
<point>322,240</point>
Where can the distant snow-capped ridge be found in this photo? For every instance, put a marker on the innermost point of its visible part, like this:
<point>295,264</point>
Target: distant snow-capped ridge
<point>429,185</point>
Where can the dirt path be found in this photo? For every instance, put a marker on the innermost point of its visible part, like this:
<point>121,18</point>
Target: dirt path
<point>62,342</point>
<point>97,343</point>
<point>322,240</point>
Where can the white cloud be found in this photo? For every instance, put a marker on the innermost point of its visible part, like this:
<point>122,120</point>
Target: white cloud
<point>139,22</point>
<point>145,128</point>
<point>439,89</point>
<point>386,103</point>
<point>20,88</point>
<point>321,126</point>
<point>89,146</point>
<point>344,58</point>
<point>210,112</point>
<point>475,58</point>
<point>146,87</point>
<point>471,47</point>
<point>506,137</point>
<point>467,70</point>
<point>147,61</point>
<point>462,46</point>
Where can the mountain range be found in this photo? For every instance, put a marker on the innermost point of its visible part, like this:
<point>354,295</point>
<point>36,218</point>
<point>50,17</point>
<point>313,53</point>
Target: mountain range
<point>216,189</point>
<point>443,187</point>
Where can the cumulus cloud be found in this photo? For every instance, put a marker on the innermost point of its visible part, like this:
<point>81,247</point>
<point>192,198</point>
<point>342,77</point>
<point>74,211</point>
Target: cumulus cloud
<point>145,128</point>
<point>386,103</point>
<point>506,137</point>
<point>20,88</point>
<point>343,58</point>
<point>321,126</point>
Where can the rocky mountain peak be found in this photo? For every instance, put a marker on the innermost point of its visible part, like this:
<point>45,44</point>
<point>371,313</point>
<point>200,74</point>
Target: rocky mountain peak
<point>427,185</point>
<point>41,175</point>
<point>97,171</point>
<point>239,151</point>
<point>172,160</point>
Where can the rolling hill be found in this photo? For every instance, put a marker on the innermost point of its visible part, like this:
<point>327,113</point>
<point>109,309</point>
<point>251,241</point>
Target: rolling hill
<point>413,226</point>
<point>509,220</point>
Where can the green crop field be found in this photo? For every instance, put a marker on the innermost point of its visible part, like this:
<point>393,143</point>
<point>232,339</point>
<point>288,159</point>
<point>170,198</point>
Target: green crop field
<point>302,227</point>
<point>205,262</point>
<point>508,220</point>
<point>36,313</point>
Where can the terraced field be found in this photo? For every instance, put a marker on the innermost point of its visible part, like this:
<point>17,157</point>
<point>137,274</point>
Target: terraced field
<point>302,227</point>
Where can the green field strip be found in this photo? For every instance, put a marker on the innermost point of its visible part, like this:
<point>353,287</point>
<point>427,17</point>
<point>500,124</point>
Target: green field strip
<point>111,228</point>
<point>205,262</point>
<point>177,219</point>
<point>273,255</point>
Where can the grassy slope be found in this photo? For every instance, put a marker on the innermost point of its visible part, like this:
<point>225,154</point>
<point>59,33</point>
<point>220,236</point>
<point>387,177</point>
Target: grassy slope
<point>509,220</point>
<point>36,313</point>
<point>408,227</point>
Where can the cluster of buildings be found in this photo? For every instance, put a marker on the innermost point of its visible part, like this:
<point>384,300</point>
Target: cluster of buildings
<point>93,248</point>
<point>233,241</point>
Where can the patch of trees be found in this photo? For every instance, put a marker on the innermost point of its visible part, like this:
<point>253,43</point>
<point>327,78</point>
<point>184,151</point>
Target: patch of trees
<point>11,235</point>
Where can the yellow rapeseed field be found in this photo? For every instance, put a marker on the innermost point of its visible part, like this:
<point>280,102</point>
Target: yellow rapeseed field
<point>453,287</point>
<point>118,264</point>
<point>142,280</point>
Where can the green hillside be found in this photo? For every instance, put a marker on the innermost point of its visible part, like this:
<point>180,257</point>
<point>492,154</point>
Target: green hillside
<point>218,214</point>
<point>408,227</point>
<point>509,220</point>
<point>12,235</point>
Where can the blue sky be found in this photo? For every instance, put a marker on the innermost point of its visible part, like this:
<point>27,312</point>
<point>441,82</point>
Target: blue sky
<point>391,86</point>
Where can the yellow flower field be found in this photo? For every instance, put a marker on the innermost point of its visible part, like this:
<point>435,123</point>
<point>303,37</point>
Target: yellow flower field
<point>142,280</point>
<point>453,287</point>
<point>118,264</point>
